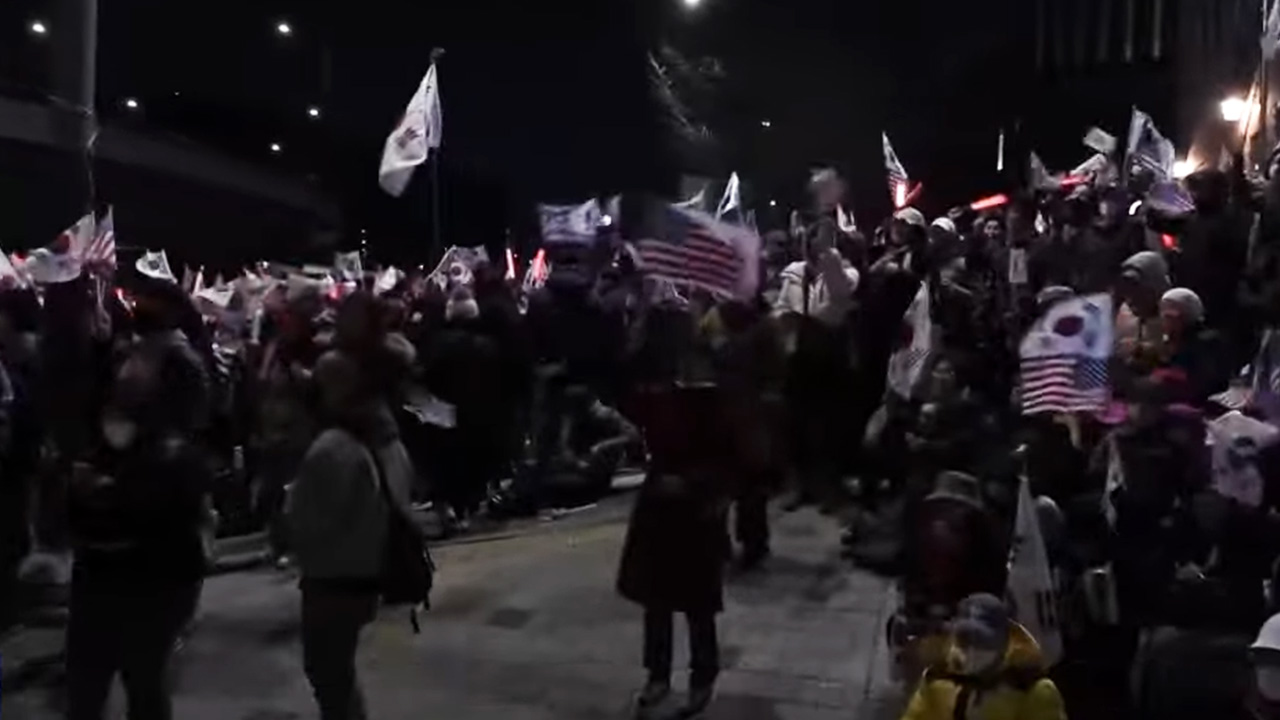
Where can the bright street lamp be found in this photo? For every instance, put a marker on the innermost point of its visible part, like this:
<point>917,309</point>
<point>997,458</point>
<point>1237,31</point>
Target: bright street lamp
<point>773,203</point>
<point>766,124</point>
<point>276,148</point>
<point>284,29</point>
<point>37,27</point>
<point>692,3</point>
<point>313,112</point>
<point>131,103</point>
<point>1234,109</point>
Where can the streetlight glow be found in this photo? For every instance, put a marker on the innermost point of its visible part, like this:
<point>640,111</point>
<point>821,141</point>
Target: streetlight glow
<point>766,124</point>
<point>313,112</point>
<point>276,148</point>
<point>131,103</point>
<point>1233,109</point>
<point>773,203</point>
<point>284,29</point>
<point>37,27</point>
<point>1183,168</point>
<point>692,3</point>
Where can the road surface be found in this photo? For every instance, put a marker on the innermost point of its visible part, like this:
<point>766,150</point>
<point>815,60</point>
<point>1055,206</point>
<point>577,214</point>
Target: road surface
<point>527,626</point>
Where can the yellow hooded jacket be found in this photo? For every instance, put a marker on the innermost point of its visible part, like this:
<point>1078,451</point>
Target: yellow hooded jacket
<point>1020,691</point>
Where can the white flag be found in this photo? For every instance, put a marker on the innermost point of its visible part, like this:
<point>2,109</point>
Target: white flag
<point>907,364</point>
<point>1100,140</point>
<point>570,224</point>
<point>349,266</point>
<point>732,199</point>
<point>898,178</point>
<point>845,221</point>
<point>419,130</point>
<point>1271,31</point>
<point>1031,589</point>
<point>155,265</point>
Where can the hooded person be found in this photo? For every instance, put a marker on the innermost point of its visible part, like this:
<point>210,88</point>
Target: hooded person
<point>994,670</point>
<point>1139,336</point>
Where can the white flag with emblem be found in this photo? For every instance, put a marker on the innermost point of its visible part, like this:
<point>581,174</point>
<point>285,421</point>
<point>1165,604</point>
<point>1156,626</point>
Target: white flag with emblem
<point>1030,589</point>
<point>419,130</point>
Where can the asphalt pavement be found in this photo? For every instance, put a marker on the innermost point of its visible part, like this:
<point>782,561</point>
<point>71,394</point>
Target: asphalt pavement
<point>526,625</point>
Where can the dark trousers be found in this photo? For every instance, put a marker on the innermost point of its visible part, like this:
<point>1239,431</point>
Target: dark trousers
<point>332,618</point>
<point>751,517</point>
<point>704,648</point>
<point>126,628</point>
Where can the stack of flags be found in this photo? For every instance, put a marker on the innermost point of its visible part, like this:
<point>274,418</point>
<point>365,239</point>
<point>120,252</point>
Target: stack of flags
<point>1064,357</point>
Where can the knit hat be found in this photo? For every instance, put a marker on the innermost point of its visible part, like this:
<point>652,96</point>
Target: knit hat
<point>944,223</point>
<point>1186,302</point>
<point>982,621</point>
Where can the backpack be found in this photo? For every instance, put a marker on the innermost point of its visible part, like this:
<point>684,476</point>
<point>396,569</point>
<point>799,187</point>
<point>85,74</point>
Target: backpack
<point>407,572</point>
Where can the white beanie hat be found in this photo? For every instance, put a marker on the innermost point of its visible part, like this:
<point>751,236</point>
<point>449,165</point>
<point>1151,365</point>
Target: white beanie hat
<point>945,223</point>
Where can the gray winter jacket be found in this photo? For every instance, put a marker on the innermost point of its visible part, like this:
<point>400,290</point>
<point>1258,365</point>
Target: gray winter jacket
<point>337,514</point>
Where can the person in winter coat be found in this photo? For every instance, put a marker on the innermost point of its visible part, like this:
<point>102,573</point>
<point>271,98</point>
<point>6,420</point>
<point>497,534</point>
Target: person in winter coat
<point>813,308</point>
<point>1139,336</point>
<point>338,513</point>
<point>676,546</point>
<point>1192,346</point>
<point>136,511</point>
<point>994,671</point>
<point>1264,655</point>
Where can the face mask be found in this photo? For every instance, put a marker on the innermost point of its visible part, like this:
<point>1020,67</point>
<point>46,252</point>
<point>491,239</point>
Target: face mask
<point>975,661</point>
<point>119,434</point>
<point>1268,678</point>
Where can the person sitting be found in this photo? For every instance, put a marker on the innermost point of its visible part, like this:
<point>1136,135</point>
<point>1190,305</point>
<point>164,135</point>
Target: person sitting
<point>993,671</point>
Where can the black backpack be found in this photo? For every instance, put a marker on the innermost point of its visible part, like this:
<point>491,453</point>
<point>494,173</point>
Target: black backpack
<point>408,571</point>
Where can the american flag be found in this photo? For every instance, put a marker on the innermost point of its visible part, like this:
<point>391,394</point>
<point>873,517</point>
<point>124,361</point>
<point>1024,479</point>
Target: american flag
<point>1170,198</point>
<point>897,174</point>
<point>688,251</point>
<point>101,250</point>
<point>1064,384</point>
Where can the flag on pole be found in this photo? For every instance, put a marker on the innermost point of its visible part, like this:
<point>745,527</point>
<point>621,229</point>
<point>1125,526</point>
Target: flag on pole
<point>570,224</point>
<point>1030,587</point>
<point>1271,31</point>
<point>101,250</point>
<point>1147,148</point>
<point>732,199</point>
<point>1100,140</point>
<point>908,362</point>
<point>898,179</point>
<point>845,221</point>
<point>155,265</point>
<point>1064,357</point>
<point>1171,198</point>
<point>411,142</point>
<point>692,247</point>
<point>349,266</point>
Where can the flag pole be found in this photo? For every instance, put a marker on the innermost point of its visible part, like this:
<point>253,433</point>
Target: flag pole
<point>436,54</point>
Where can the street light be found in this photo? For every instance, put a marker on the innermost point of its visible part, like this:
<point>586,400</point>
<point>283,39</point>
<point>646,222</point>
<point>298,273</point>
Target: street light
<point>313,112</point>
<point>131,103</point>
<point>284,29</point>
<point>691,4</point>
<point>37,27</point>
<point>276,148</point>
<point>766,124</point>
<point>1183,168</point>
<point>1234,109</point>
<point>773,203</point>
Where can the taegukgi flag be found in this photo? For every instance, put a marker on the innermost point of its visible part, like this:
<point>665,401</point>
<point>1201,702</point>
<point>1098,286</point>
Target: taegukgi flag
<point>411,142</point>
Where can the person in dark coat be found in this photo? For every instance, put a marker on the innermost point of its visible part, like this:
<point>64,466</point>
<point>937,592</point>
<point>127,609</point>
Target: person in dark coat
<point>676,546</point>
<point>136,512</point>
<point>1192,346</point>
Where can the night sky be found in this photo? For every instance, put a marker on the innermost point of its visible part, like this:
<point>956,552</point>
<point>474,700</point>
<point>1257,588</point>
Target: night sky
<point>549,101</point>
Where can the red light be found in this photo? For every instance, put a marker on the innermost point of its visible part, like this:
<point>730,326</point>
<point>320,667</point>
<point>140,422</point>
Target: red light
<point>988,203</point>
<point>1073,180</point>
<point>1169,242</point>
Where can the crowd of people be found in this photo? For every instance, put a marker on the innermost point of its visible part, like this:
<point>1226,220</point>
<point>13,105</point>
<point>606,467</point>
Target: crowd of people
<point>144,416</point>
